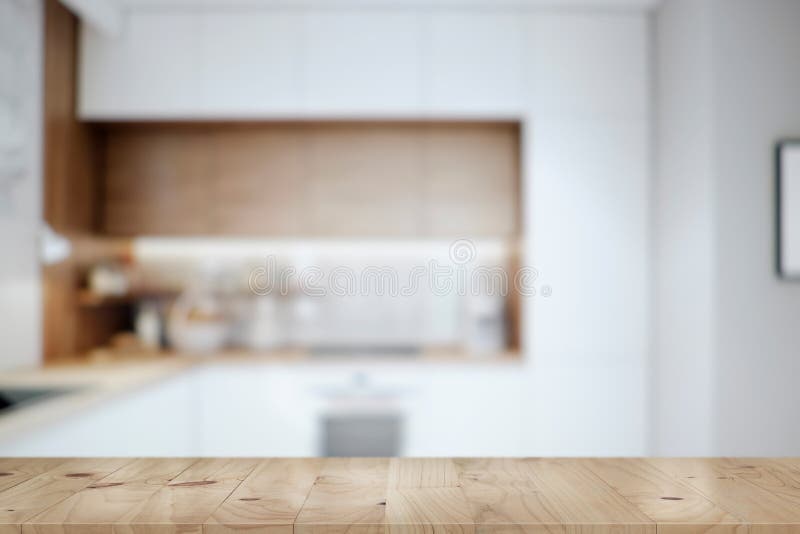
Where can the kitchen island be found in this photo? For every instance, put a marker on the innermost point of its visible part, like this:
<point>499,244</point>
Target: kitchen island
<point>372,495</point>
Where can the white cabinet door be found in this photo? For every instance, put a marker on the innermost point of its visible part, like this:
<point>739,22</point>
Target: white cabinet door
<point>152,69</point>
<point>160,420</point>
<point>186,65</point>
<point>252,63</point>
<point>362,63</point>
<point>257,411</point>
<point>473,63</point>
<point>590,65</point>
<point>466,412</point>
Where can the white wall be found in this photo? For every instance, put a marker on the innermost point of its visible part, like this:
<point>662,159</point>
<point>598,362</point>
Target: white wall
<point>684,262</point>
<point>728,327</point>
<point>757,101</point>
<point>20,180</point>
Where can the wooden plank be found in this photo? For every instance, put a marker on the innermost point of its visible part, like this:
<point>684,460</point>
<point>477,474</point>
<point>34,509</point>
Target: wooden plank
<point>426,510</point>
<point>349,496</point>
<point>499,471</point>
<point>676,507</point>
<point>37,494</point>
<point>186,502</point>
<point>504,497</point>
<point>786,462</point>
<point>401,496</point>
<point>270,498</point>
<point>755,491</point>
<point>583,502</point>
<point>108,500</point>
<point>684,468</point>
<point>371,472</point>
<point>423,473</point>
<point>779,478</point>
<point>14,471</point>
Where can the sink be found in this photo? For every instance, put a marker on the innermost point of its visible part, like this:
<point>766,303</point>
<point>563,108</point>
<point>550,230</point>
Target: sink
<point>17,397</point>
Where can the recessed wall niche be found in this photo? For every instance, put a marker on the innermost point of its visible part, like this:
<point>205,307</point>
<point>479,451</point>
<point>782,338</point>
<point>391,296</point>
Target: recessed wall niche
<point>312,179</point>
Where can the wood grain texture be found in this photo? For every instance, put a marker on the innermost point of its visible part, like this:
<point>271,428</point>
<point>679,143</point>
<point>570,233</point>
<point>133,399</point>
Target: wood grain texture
<point>401,496</point>
<point>158,182</point>
<point>422,473</point>
<point>471,184</point>
<point>186,502</point>
<point>72,199</point>
<point>349,496</point>
<point>259,188</point>
<point>14,471</point>
<point>762,492</point>
<point>269,499</point>
<point>667,501</point>
<point>115,498</point>
<point>420,510</point>
<point>584,502</point>
<point>27,499</point>
<point>505,498</point>
<point>315,179</point>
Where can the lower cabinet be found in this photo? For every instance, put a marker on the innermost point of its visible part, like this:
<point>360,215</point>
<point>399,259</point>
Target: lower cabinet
<point>256,411</point>
<point>313,410</point>
<point>159,420</point>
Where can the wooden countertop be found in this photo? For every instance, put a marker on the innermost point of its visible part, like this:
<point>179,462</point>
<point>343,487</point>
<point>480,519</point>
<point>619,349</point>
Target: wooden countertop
<point>87,385</point>
<point>401,496</point>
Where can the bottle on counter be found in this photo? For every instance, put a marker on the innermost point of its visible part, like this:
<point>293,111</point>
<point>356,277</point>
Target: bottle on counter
<point>147,326</point>
<point>485,325</point>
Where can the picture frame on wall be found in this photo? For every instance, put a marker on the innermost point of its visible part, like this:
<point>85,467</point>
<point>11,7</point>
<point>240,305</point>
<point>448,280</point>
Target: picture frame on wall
<point>787,193</point>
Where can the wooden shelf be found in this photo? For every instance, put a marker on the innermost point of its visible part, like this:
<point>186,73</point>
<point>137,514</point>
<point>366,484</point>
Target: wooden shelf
<point>89,299</point>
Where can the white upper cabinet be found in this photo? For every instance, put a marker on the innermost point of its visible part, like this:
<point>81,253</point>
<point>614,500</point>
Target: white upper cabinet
<point>590,65</point>
<point>359,62</point>
<point>151,69</point>
<point>203,64</point>
<point>473,62</point>
<point>252,62</point>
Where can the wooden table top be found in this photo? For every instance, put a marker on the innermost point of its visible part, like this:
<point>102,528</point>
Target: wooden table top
<point>401,496</point>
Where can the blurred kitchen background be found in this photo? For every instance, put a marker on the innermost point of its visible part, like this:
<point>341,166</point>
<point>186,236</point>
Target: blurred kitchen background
<point>614,159</point>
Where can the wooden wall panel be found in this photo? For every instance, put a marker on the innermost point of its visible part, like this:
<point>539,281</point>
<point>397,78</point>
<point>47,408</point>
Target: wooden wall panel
<point>472,180</point>
<point>364,181</point>
<point>313,179</point>
<point>72,200</point>
<point>161,183</point>
<point>259,188</point>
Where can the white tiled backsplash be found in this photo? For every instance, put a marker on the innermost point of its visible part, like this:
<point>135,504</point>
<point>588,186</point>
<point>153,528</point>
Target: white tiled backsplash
<point>397,318</point>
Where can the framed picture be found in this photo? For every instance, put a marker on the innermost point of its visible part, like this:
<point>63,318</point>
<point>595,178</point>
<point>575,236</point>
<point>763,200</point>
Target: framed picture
<point>787,191</point>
